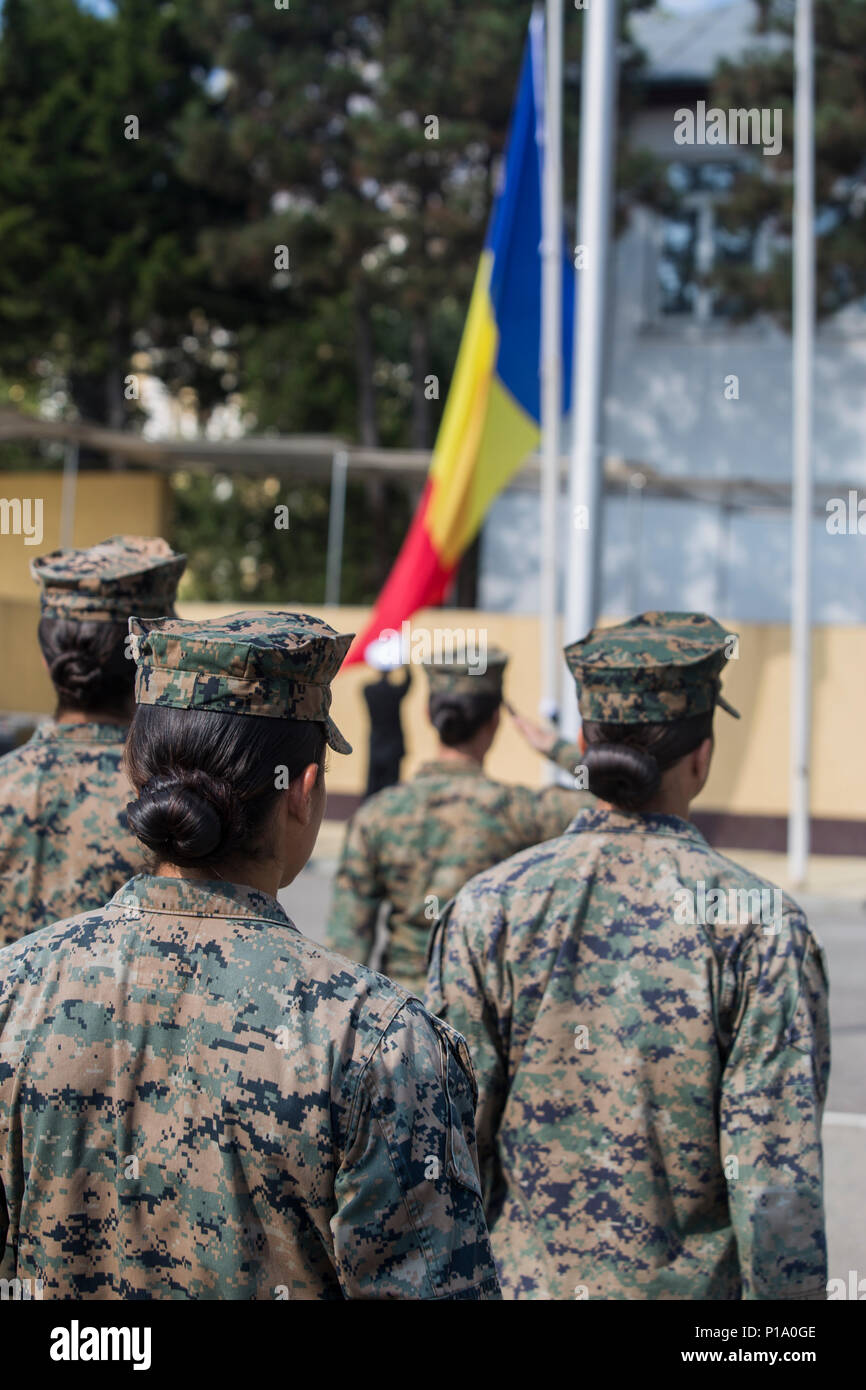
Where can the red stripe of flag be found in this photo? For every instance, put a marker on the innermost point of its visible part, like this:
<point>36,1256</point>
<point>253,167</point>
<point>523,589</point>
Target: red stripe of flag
<point>418,579</point>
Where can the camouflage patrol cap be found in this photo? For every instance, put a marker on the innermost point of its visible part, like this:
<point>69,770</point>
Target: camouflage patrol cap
<point>276,664</point>
<point>465,677</point>
<point>108,582</point>
<point>656,668</point>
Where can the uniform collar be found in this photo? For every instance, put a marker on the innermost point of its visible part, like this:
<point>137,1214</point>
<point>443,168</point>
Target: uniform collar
<point>595,820</point>
<point>92,732</point>
<point>194,898</point>
<point>438,767</point>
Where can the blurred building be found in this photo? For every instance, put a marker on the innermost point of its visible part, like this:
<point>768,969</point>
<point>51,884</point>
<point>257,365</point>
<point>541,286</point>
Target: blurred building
<point>672,350</point>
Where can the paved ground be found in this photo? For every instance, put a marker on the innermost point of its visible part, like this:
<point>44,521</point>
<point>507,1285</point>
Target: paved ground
<point>840,921</point>
<point>842,928</point>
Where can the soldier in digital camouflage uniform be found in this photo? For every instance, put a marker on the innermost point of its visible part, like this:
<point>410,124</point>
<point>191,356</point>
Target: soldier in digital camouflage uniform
<point>64,842</point>
<point>415,844</point>
<point>195,1100</point>
<point>651,1072</point>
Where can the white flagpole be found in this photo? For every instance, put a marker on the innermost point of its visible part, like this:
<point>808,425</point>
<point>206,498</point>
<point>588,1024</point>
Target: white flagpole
<point>801,504</point>
<point>551,352</point>
<point>597,126</point>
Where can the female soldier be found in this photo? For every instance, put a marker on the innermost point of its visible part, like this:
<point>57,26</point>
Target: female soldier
<point>196,1101</point>
<point>64,843</point>
<point>416,844</point>
<point>647,1018</point>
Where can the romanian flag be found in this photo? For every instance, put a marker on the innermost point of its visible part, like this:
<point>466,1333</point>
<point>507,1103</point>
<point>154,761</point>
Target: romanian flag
<point>491,421</point>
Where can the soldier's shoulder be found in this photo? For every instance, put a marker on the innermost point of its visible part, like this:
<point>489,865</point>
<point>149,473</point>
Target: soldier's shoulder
<point>678,872</point>
<point>56,766</point>
<point>340,986</point>
<point>504,794</point>
<point>528,871</point>
<point>515,798</point>
<point>20,761</point>
<point>473,798</point>
<point>729,874</point>
<point>482,784</point>
<point>373,1016</point>
<point>392,1024</point>
<point>384,804</point>
<point>324,964</point>
<point>47,948</point>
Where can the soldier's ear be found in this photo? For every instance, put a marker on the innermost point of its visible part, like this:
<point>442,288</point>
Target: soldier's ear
<point>701,759</point>
<point>299,794</point>
<point>581,740</point>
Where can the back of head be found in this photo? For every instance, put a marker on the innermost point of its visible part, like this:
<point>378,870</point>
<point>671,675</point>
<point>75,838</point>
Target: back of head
<point>88,666</point>
<point>464,696</point>
<point>647,692</point>
<point>88,597</point>
<point>625,762</point>
<point>230,713</point>
<point>458,718</point>
<point>207,781</point>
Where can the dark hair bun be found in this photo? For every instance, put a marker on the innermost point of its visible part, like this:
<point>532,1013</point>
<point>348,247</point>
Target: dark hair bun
<point>76,677</point>
<point>457,718</point>
<point>185,816</point>
<point>450,721</point>
<point>621,774</point>
<point>87,665</point>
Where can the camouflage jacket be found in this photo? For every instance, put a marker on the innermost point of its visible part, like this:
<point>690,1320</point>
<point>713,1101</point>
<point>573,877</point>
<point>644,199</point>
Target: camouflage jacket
<point>652,1059</point>
<point>198,1102</point>
<point>64,845</point>
<point>416,844</point>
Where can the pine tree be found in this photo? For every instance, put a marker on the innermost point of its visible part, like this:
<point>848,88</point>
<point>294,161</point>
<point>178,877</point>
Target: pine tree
<point>99,232</point>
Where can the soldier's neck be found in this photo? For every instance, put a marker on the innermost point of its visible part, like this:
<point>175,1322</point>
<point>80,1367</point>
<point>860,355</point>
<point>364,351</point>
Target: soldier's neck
<point>661,805</point>
<point>264,877</point>
<point>77,716</point>
<point>460,757</point>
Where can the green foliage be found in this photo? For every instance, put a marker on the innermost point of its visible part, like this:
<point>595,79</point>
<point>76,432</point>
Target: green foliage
<point>325,133</point>
<point>764,193</point>
<point>228,527</point>
<point>99,230</point>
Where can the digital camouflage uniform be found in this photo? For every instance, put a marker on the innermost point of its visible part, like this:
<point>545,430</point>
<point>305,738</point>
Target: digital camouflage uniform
<point>414,845</point>
<point>63,833</point>
<point>651,1070</point>
<point>64,842</point>
<point>198,1102</point>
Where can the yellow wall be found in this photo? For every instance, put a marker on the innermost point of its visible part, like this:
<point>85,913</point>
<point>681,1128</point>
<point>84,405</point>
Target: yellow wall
<point>107,504</point>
